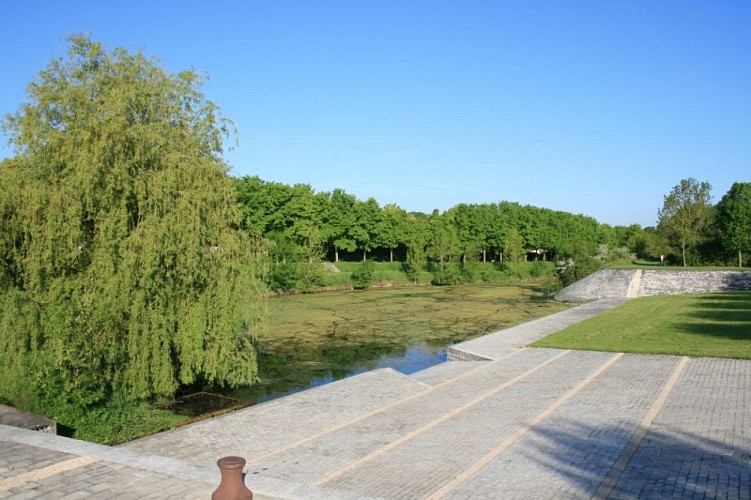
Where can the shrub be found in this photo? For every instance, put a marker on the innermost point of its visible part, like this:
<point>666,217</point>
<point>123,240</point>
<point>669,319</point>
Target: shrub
<point>362,277</point>
<point>118,422</point>
<point>573,269</point>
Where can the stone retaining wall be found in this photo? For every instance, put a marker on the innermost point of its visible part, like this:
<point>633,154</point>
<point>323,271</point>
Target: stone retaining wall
<point>609,283</point>
<point>606,283</point>
<point>677,282</point>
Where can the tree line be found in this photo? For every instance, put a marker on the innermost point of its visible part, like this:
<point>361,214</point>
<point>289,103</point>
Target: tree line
<point>302,226</point>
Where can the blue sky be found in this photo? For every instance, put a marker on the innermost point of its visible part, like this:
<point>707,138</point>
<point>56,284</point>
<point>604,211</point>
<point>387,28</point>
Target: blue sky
<point>593,107</point>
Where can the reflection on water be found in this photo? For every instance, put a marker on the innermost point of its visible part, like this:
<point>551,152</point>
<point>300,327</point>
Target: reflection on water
<point>282,375</point>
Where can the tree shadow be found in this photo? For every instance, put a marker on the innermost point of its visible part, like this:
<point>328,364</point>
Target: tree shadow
<point>667,463</point>
<point>726,315</point>
<point>732,300</point>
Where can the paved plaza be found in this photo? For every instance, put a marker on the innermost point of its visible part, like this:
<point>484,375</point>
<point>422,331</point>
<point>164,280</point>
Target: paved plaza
<point>509,422</point>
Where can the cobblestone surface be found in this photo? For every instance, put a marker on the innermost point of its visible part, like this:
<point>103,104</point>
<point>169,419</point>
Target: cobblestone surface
<point>569,453</point>
<point>699,446</point>
<point>17,458</point>
<point>30,471</point>
<point>256,431</point>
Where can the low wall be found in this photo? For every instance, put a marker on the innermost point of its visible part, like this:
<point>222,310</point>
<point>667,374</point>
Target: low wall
<point>605,283</point>
<point>616,283</point>
<point>677,282</point>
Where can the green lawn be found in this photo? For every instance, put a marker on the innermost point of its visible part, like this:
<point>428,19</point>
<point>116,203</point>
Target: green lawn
<point>715,325</point>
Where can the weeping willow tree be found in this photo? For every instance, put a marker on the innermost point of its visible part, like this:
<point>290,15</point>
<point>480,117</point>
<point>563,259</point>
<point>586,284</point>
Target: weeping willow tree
<point>122,272</point>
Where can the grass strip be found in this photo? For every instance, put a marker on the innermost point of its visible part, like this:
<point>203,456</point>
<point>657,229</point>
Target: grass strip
<point>698,325</point>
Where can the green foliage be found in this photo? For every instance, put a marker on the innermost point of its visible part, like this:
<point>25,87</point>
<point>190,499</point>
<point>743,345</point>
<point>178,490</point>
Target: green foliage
<point>572,269</point>
<point>309,268</point>
<point>734,219</point>
<point>443,251</point>
<point>362,277</point>
<point>514,248</point>
<point>470,266</point>
<point>608,255</point>
<point>684,213</point>
<point>118,421</point>
<point>123,274</point>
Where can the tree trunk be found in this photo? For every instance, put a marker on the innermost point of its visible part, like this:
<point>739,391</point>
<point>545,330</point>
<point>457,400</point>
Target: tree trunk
<point>391,255</point>
<point>683,249</point>
<point>364,255</point>
<point>484,254</point>
<point>740,258</point>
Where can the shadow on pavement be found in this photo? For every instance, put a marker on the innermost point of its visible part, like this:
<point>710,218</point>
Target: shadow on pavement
<point>667,463</point>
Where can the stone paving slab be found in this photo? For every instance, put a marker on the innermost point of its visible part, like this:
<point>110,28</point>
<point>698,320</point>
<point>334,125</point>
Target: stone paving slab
<point>41,470</point>
<point>496,345</point>
<point>19,458</point>
<point>314,459</point>
<point>437,454</point>
<point>699,446</point>
<point>114,472</point>
<point>443,372</point>
<point>568,454</point>
<point>258,430</point>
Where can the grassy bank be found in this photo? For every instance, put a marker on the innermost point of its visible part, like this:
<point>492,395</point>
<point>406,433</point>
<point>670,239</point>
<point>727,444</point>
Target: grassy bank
<point>394,274</point>
<point>714,325</point>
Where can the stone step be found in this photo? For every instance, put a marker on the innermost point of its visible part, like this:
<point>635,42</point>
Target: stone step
<point>261,429</point>
<point>523,423</point>
<point>443,407</point>
<point>429,438</point>
<point>443,372</point>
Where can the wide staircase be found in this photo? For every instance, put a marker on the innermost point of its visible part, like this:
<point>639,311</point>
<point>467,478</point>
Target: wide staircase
<point>525,423</point>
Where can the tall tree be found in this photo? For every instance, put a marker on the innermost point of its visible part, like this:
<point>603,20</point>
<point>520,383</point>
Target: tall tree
<point>393,229</point>
<point>443,249</point>
<point>514,247</point>
<point>417,238</point>
<point>123,272</point>
<point>684,212</point>
<point>369,217</point>
<point>339,221</point>
<point>734,219</point>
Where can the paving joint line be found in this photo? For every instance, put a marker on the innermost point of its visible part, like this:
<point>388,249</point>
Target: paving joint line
<point>446,416</point>
<point>45,472</point>
<point>382,409</point>
<point>611,479</point>
<point>475,467</point>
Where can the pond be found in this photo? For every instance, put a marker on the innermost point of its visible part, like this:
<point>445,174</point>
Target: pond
<point>316,339</point>
<point>295,377</point>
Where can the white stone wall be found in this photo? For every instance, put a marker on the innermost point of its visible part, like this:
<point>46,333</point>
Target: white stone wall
<point>677,282</point>
<point>605,283</point>
<point>615,283</point>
